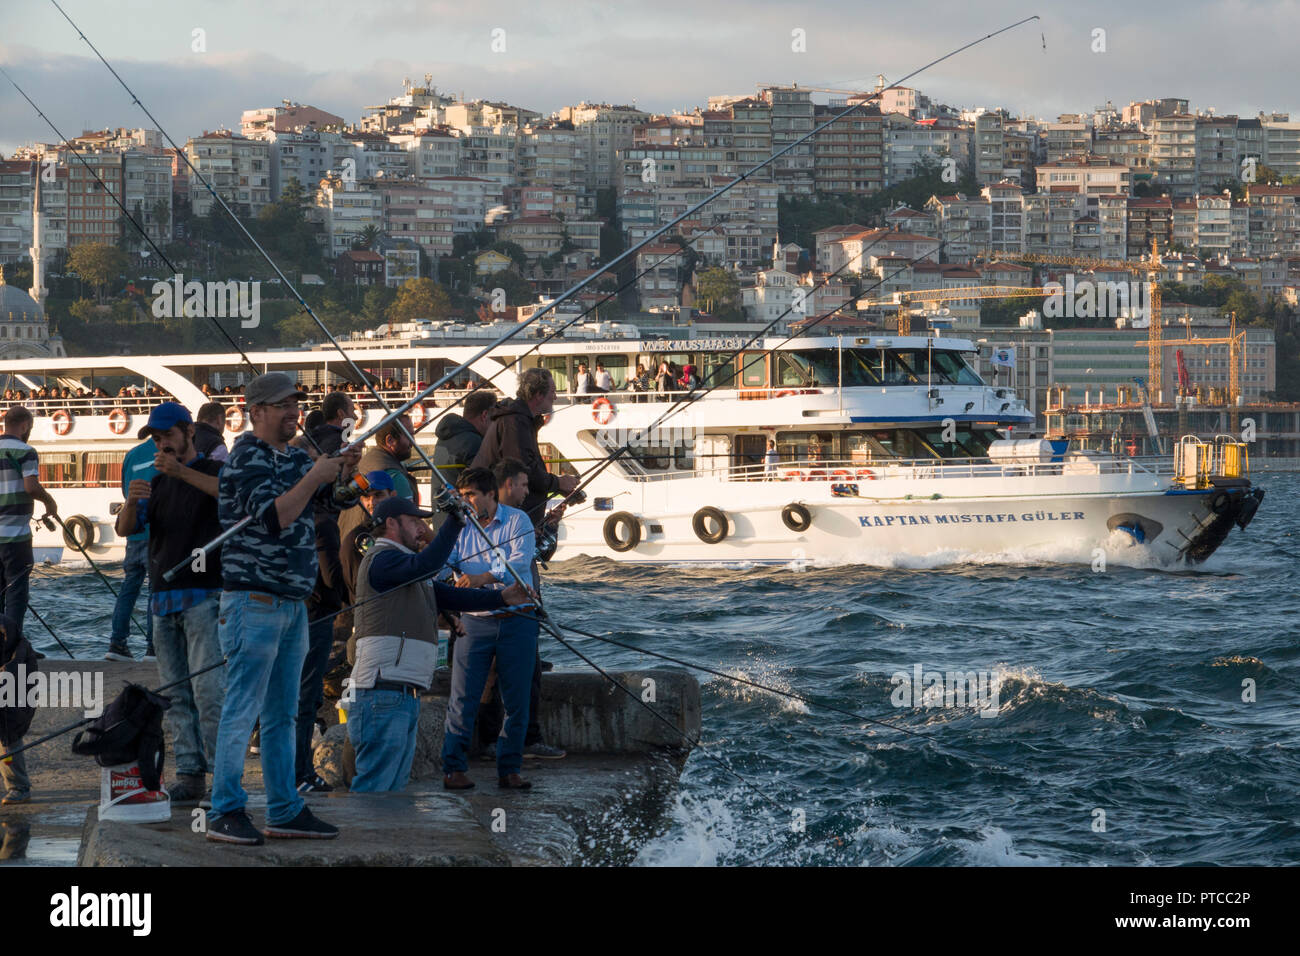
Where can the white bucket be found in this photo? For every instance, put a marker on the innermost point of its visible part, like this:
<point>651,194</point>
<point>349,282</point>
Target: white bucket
<point>122,797</point>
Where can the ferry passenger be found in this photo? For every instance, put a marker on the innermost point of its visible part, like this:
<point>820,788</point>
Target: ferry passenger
<point>267,572</point>
<point>582,381</point>
<point>177,511</point>
<point>604,381</point>
<point>641,381</point>
<point>770,460</point>
<point>512,639</point>
<point>688,382</point>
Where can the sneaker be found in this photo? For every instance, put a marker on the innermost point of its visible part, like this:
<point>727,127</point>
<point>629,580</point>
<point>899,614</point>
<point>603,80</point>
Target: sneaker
<point>14,797</point>
<point>314,784</point>
<point>187,789</point>
<point>302,827</point>
<point>254,745</point>
<point>543,751</point>
<point>118,652</point>
<point>235,827</point>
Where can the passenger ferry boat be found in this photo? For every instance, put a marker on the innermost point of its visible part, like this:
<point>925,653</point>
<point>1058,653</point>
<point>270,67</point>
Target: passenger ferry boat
<point>888,449</point>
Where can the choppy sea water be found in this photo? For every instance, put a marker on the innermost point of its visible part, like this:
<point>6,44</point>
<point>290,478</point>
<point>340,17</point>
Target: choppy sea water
<point>1125,731</point>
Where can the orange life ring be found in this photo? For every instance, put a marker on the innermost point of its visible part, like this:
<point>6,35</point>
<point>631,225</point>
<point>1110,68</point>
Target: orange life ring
<point>841,473</point>
<point>784,393</point>
<point>795,474</point>
<point>118,421</point>
<point>62,421</point>
<point>419,414</point>
<point>816,474</point>
<point>602,410</point>
<point>234,419</point>
<point>866,473</point>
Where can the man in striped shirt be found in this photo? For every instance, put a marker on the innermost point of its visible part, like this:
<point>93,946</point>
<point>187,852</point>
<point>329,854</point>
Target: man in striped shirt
<point>19,487</point>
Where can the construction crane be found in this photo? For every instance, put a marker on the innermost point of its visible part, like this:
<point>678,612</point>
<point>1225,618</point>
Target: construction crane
<point>923,296</point>
<point>1151,267</point>
<point>1236,343</point>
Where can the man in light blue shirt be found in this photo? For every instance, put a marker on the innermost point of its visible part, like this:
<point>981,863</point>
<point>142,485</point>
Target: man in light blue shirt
<point>137,465</point>
<point>510,637</point>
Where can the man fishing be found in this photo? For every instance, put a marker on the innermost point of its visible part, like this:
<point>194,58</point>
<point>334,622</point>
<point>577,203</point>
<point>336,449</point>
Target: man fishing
<point>178,509</point>
<point>268,569</point>
<point>396,633</point>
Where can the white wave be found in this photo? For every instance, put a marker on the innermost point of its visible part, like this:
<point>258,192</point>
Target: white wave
<point>995,847</point>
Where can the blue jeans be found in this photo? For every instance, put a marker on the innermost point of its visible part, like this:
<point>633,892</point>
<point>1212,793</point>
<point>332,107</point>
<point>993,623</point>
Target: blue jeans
<point>382,726</point>
<point>136,567</point>
<point>15,577</point>
<point>264,638</point>
<point>187,642</point>
<point>513,640</point>
<point>311,692</point>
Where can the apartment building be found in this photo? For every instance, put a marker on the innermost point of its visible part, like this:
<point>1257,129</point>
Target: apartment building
<point>1149,219</point>
<point>17,195</point>
<point>1274,219</point>
<point>1216,152</point>
<point>306,155</point>
<point>1128,147</point>
<point>658,285</point>
<point>345,210</point>
<point>1086,174</point>
<point>965,225</point>
<point>909,143</point>
<point>471,199</point>
<point>848,156</point>
<point>1173,154</point>
<point>237,168</point>
<point>419,213</point>
<point>430,153</point>
<point>550,154</point>
<point>603,130</point>
<point>1281,139</point>
<point>792,117</point>
<point>1070,136</point>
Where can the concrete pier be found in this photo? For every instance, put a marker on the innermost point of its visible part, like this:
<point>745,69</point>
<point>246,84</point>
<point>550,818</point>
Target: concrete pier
<point>598,805</point>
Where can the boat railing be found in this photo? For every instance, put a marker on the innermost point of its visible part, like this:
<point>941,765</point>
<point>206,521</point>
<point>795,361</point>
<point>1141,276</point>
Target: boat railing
<point>143,404</point>
<point>915,469</point>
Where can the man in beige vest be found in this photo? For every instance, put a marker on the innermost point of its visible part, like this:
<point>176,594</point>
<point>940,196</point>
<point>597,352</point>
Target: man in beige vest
<point>395,627</point>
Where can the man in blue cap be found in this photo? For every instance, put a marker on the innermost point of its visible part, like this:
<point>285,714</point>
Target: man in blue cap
<point>178,509</point>
<point>397,636</point>
<point>136,466</point>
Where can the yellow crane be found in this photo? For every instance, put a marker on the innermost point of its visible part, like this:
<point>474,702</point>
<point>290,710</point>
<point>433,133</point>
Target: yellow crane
<point>923,296</point>
<point>1151,267</point>
<point>1236,342</point>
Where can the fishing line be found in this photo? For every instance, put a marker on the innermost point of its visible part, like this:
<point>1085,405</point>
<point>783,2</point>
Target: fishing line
<point>71,538</point>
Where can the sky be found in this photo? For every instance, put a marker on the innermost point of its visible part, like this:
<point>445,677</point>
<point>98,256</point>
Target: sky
<point>1238,57</point>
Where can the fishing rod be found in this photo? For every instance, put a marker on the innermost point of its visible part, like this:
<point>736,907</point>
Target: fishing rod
<point>86,720</point>
<point>38,617</point>
<point>71,538</point>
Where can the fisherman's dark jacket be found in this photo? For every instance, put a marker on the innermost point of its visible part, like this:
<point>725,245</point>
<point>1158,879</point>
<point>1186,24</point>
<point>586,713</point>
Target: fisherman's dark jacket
<point>264,556</point>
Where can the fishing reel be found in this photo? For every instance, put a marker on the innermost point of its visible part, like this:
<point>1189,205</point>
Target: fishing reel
<point>347,492</point>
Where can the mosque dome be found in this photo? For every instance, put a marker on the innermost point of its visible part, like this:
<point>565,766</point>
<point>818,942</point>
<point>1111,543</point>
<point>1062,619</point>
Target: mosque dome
<point>17,306</point>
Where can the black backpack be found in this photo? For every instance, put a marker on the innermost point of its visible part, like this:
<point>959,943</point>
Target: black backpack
<point>128,731</point>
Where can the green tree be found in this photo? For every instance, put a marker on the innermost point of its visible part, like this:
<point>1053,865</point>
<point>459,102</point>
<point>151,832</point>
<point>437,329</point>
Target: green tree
<point>717,289</point>
<point>375,304</point>
<point>518,290</point>
<point>367,238</point>
<point>419,299</point>
<point>99,264</point>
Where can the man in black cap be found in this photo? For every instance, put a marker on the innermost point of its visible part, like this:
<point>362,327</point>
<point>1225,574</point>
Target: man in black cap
<point>396,631</point>
<point>268,568</point>
<point>178,507</point>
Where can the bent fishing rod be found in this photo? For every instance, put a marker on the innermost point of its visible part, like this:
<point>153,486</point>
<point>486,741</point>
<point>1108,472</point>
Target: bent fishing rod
<point>26,572</point>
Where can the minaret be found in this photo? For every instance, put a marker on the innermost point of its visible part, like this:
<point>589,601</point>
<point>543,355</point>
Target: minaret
<point>38,291</point>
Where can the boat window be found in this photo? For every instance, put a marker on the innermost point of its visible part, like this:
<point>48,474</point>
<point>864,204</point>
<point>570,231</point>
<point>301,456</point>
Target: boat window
<point>863,367</point>
<point>898,371</point>
<point>952,366</point>
<point>753,370</point>
<point>807,369</point>
<point>806,446</point>
<point>961,444</point>
<point>558,365</point>
<point>59,469</point>
<point>717,370</point>
<point>103,469</point>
